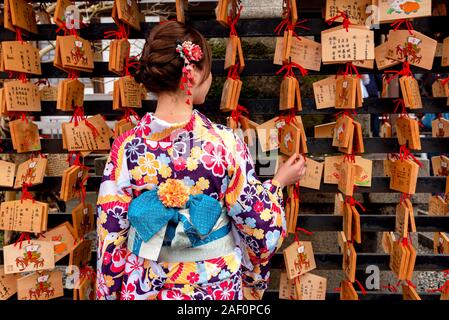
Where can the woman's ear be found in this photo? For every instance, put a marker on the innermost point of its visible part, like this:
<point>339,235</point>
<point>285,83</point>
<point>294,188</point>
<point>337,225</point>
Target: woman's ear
<point>197,75</point>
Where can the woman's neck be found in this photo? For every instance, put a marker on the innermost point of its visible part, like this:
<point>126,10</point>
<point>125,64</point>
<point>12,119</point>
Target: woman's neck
<point>173,108</point>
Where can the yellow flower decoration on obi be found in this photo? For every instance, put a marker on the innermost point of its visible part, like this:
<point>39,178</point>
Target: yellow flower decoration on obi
<point>173,193</point>
<point>148,164</point>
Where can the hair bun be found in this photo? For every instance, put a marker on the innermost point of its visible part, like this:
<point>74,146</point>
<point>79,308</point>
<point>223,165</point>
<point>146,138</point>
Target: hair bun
<point>160,66</point>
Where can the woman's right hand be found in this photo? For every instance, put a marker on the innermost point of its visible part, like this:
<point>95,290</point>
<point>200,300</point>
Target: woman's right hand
<point>291,171</point>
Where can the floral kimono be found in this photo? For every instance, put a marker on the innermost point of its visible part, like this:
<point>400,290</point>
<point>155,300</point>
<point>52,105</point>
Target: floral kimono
<point>208,159</point>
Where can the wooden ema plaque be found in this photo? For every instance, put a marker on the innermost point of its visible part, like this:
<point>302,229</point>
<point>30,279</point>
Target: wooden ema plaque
<point>339,46</point>
<point>303,51</point>
<point>24,215</point>
<point>8,284</point>
<point>7,172</point>
<point>63,239</point>
<point>20,57</point>
<point>21,96</point>
<point>32,256</point>
<point>299,258</point>
<point>31,172</point>
<point>44,285</point>
<point>128,12</point>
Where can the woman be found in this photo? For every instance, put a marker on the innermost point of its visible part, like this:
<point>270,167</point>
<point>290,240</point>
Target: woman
<point>181,212</point>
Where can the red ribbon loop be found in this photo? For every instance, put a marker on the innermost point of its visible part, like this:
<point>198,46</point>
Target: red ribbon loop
<point>397,23</point>
<point>341,14</point>
<point>23,235</point>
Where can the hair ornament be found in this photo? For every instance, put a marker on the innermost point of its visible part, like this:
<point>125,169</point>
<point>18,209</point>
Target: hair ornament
<point>189,52</point>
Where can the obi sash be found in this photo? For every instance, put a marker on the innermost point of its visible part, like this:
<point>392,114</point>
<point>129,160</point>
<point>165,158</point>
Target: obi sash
<point>199,231</point>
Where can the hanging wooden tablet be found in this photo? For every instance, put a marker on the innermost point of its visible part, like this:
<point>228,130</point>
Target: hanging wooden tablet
<point>345,92</point>
<point>20,56</point>
<point>236,93</point>
<point>73,52</point>
<point>48,93</point>
<point>405,176</point>
<point>311,287</point>
<point>440,128</point>
<point>287,289</point>
<point>340,46</point>
<point>227,95</point>
<point>222,11</point>
<point>347,221</point>
<point>62,237</point>
<point>21,96</point>
<point>7,173</point>
<point>412,223</point>
<point>437,206</point>
<point>128,12</point>
<point>344,128</point>
<point>312,177</point>
<point>303,51</point>
<point>338,204</point>
<point>347,178</point>
<point>80,255</point>
<point>349,261</point>
<point>411,262</point>
<point>22,15</point>
<point>31,172</point>
<point>24,216</point>
<point>290,139</point>
<point>119,52</point>
<point>299,258</point>
<point>347,291</point>
<point>445,53</point>
<point>8,284</point>
<point>268,135</point>
<point>25,136</point>
<point>356,10</point>
<point>398,257</point>
<point>438,89</point>
<point>287,95</point>
<point>122,126</point>
<point>385,130</point>
<point>31,256</point>
<point>181,7</point>
<point>407,131</point>
<point>324,130</point>
<point>43,285</point>
<point>341,239</point>
<point>86,289</point>
<point>82,219</point>
<point>83,138</point>
<point>70,94</point>
<point>410,92</point>
<point>231,51</point>
<point>441,243</point>
<point>409,293</point>
<point>363,172</point>
<point>440,165</point>
<point>387,241</point>
<point>287,41</point>
<point>380,55</point>
<point>402,220</point>
<point>129,93</point>
<point>390,11</point>
<point>324,92</point>
<point>423,47</point>
<point>72,180</point>
<point>59,16</point>
<point>356,228</point>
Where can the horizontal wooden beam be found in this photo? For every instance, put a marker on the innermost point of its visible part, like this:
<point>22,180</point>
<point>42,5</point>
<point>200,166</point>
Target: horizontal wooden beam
<point>379,185</point>
<point>210,28</point>
<point>315,145</point>
<point>255,107</point>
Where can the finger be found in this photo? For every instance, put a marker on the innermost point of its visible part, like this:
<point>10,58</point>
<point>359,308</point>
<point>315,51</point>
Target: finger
<point>292,159</point>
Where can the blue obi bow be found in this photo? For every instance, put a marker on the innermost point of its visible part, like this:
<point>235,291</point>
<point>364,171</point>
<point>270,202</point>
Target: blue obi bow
<point>147,214</point>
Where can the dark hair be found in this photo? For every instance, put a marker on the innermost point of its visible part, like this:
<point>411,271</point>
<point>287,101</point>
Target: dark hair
<point>160,66</point>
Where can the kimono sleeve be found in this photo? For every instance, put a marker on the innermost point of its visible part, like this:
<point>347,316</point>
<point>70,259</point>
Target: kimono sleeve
<point>112,225</point>
<point>258,215</point>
